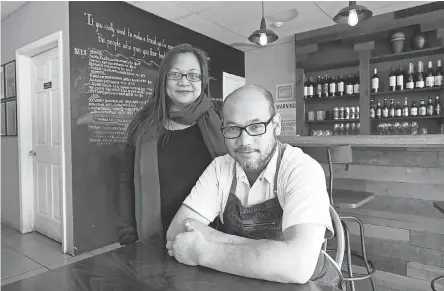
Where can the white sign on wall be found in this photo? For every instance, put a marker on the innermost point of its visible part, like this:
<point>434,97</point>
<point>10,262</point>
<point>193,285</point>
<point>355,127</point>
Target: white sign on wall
<point>288,128</point>
<point>231,83</point>
<point>287,110</point>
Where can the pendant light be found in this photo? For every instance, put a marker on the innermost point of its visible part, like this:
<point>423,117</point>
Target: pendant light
<point>352,14</point>
<point>263,35</point>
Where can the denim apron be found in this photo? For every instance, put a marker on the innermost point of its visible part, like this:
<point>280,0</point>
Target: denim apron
<point>264,221</point>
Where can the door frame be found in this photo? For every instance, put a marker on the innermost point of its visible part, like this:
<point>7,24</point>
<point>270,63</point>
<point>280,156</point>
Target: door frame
<point>24,57</point>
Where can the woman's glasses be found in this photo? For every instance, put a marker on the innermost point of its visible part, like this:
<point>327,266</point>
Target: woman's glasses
<point>192,77</point>
<point>253,129</point>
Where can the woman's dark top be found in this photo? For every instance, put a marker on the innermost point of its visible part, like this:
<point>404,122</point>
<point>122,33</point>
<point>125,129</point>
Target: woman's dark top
<point>182,159</point>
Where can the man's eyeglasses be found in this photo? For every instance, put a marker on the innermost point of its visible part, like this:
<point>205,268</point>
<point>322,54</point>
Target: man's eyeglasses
<point>259,128</point>
<point>192,77</point>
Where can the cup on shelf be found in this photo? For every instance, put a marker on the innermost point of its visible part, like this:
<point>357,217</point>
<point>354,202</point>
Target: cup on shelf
<point>320,115</point>
<point>311,115</point>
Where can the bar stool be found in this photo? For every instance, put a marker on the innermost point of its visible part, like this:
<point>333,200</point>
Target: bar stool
<point>434,281</point>
<point>351,199</point>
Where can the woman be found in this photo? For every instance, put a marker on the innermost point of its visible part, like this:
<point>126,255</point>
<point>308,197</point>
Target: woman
<point>171,141</point>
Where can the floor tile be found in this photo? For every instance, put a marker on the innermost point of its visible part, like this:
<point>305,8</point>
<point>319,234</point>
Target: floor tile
<point>42,249</point>
<point>23,276</point>
<point>69,261</point>
<point>14,263</point>
<point>106,249</point>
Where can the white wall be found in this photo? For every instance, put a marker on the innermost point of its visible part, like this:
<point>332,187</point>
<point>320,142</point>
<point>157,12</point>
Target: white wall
<point>29,23</point>
<point>270,66</point>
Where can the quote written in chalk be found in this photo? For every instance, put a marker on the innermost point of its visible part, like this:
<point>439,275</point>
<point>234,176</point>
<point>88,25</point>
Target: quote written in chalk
<point>109,34</point>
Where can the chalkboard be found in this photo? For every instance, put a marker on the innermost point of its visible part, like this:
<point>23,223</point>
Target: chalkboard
<point>115,53</point>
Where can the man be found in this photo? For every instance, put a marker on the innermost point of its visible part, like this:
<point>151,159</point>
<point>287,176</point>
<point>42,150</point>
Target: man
<point>271,199</point>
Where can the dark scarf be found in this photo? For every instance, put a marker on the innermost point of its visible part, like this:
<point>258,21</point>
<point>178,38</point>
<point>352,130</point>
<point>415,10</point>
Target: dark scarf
<point>146,174</point>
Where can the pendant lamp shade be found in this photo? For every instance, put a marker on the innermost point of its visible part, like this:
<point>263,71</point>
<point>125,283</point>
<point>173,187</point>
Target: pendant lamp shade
<point>263,35</point>
<point>353,14</point>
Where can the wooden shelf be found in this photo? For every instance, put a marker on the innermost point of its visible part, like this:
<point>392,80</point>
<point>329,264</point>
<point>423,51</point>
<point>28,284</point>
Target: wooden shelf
<point>332,121</point>
<point>344,97</point>
<point>327,67</point>
<point>407,55</point>
<point>432,89</point>
<point>406,118</point>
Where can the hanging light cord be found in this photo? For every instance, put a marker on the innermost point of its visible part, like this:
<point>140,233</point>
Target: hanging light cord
<point>262,9</point>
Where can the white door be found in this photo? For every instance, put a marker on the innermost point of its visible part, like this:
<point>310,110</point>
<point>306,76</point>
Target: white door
<point>46,144</point>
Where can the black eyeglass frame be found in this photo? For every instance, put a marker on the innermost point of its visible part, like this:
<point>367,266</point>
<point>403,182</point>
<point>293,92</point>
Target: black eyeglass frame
<point>186,76</point>
<point>265,123</point>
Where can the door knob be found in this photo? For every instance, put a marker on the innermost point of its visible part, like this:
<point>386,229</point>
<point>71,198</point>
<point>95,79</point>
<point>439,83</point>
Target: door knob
<point>32,153</point>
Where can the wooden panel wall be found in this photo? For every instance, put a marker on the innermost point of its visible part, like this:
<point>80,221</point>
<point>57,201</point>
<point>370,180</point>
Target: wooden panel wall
<point>404,231</point>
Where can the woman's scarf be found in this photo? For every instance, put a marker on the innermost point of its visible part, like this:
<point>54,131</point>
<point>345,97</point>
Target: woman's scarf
<point>146,173</point>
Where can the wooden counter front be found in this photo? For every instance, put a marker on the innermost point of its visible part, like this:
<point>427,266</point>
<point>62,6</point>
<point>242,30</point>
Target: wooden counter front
<point>416,141</point>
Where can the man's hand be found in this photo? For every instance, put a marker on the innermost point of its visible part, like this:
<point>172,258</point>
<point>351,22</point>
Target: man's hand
<point>188,246</point>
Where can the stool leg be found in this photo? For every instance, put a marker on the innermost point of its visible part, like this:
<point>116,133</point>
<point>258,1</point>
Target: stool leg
<point>349,262</point>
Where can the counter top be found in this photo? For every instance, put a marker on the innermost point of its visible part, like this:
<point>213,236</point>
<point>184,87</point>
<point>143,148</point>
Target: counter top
<point>417,141</point>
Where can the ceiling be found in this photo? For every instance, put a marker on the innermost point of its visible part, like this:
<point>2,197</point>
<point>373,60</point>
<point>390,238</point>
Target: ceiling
<point>231,22</point>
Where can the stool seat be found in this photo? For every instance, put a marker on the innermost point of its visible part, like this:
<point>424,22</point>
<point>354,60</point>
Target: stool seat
<point>350,198</point>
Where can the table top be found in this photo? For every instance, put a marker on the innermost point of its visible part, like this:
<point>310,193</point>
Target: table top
<point>146,266</point>
<point>351,199</point>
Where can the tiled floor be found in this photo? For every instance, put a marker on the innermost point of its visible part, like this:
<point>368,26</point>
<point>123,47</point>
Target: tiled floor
<point>26,255</point>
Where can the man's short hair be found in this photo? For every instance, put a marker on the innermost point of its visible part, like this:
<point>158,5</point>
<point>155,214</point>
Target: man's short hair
<point>267,94</point>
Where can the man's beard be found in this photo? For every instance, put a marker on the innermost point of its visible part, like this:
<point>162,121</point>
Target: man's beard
<point>257,164</point>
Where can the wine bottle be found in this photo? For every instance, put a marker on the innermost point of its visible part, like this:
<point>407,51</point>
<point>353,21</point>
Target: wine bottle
<point>356,85</point>
<point>372,109</point>
<point>420,76</point>
<point>375,82</point>
<point>430,107</point>
<point>319,87</point>
<point>400,79</point>
<point>392,80</point>
<point>379,110</point>
<point>405,109</point>
<point>398,110</point>
<point>392,108</point>
<point>430,79</point>
<point>349,85</point>
<point>422,108</point>
<point>341,85</point>
<point>439,75</point>
<point>413,109</point>
<point>385,109</point>
<point>410,82</point>
<point>332,86</point>
<point>325,87</point>
<point>305,88</point>
<point>438,107</point>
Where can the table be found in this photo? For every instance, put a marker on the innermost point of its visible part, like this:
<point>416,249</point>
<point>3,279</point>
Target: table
<point>146,266</point>
<point>351,199</point>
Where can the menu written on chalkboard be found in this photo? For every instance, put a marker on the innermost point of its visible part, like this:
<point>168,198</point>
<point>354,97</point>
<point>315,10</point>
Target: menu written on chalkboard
<point>118,80</point>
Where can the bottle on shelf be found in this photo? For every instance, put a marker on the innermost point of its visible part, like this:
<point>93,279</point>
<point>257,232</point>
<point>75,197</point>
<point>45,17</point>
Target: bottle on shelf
<point>405,108</point>
<point>356,85</point>
<point>385,109</point>
<point>319,87</point>
<point>420,79</point>
<point>392,80</point>
<point>310,88</point>
<point>372,109</point>
<point>430,107</point>
<point>305,88</point>
<point>375,82</point>
<point>340,85</point>
<point>332,89</point>
<point>391,109</point>
<point>414,109</point>
<point>349,89</point>
<point>438,106</point>
<point>398,110</point>
<point>439,75</point>
<point>410,82</point>
<point>379,110</point>
<point>422,108</point>
<point>430,79</point>
<point>325,87</point>
<point>400,79</point>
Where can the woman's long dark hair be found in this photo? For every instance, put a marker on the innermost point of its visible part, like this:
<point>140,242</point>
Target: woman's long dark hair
<point>155,113</point>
